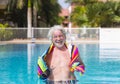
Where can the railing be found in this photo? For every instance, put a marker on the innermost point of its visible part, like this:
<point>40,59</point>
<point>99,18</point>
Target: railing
<point>41,33</point>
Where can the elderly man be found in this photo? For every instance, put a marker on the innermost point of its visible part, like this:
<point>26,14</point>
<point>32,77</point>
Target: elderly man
<point>61,58</point>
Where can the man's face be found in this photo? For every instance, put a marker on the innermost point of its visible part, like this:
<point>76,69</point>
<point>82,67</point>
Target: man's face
<point>58,38</point>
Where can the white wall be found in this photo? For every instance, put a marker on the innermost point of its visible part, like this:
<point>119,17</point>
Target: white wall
<point>110,35</point>
<point>110,44</point>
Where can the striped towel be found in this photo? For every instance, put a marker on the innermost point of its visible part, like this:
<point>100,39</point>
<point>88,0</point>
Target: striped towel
<point>74,63</point>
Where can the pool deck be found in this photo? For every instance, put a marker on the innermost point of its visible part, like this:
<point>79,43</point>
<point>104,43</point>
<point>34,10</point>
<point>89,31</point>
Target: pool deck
<point>45,41</point>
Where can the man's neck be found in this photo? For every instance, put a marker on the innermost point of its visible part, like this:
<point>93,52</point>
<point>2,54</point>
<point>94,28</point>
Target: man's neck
<point>61,48</point>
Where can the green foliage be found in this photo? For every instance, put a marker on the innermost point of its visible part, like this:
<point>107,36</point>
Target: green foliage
<point>60,20</point>
<point>92,13</point>
<point>17,10</point>
<point>4,33</point>
<point>78,16</point>
<point>48,11</point>
<point>82,2</point>
<point>29,3</point>
<point>4,25</point>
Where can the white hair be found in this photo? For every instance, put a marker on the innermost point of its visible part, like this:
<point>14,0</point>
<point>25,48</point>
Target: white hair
<point>54,28</point>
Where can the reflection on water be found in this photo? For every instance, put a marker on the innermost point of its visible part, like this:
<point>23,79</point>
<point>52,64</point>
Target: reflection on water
<point>102,65</point>
<point>110,51</point>
<point>30,53</point>
<point>18,63</point>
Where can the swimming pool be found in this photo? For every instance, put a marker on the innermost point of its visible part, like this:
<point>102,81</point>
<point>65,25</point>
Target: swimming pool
<point>18,64</point>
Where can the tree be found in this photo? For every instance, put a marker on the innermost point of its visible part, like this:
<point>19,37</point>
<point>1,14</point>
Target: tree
<point>92,13</point>
<point>78,16</point>
<point>17,10</point>
<point>48,10</point>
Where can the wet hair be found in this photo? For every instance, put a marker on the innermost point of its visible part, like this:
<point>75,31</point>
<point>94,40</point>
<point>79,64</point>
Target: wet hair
<point>54,28</point>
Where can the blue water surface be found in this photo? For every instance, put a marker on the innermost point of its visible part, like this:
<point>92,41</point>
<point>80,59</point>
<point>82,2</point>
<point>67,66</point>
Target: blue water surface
<point>18,64</point>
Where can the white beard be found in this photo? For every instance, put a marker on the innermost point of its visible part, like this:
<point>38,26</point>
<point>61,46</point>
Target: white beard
<point>59,45</point>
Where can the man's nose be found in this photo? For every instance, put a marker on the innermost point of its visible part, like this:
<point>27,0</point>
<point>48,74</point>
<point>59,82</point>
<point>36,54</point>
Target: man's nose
<point>58,38</point>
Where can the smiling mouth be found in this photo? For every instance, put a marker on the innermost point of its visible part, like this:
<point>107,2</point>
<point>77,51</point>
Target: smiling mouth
<point>59,42</point>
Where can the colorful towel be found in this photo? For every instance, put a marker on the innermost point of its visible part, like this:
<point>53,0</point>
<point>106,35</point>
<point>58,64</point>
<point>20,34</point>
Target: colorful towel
<point>43,71</point>
<point>74,63</point>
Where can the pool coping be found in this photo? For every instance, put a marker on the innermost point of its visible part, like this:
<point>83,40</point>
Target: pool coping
<point>45,41</point>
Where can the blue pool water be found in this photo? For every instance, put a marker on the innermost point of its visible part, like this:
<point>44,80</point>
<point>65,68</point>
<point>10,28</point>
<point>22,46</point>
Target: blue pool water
<point>18,64</point>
